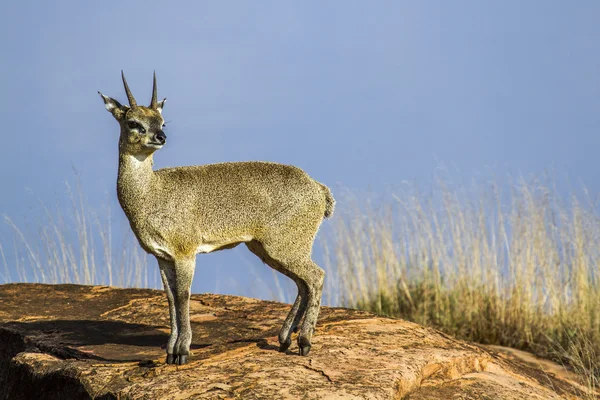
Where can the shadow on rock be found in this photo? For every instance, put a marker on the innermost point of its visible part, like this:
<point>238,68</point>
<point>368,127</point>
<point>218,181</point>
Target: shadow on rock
<point>99,340</point>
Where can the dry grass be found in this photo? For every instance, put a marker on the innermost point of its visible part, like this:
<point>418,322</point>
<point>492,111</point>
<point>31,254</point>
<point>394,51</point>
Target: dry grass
<point>518,269</point>
<point>76,247</point>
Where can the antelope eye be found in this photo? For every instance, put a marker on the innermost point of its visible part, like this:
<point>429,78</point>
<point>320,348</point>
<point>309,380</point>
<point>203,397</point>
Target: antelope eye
<point>132,124</point>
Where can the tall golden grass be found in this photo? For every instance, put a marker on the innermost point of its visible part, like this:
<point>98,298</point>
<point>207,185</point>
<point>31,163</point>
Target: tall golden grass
<point>518,269</point>
<point>75,246</point>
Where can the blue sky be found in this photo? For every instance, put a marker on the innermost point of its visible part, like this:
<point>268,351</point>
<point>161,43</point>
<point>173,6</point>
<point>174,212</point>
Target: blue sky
<point>359,94</point>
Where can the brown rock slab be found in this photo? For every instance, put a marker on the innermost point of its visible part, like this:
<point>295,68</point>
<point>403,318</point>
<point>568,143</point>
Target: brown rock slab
<point>93,342</point>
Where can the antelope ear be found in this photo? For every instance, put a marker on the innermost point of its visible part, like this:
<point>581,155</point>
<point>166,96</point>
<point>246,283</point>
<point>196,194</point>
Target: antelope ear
<point>114,107</point>
<point>160,105</point>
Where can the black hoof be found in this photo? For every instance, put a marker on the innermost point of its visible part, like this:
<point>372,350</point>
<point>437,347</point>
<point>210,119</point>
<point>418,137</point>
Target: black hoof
<point>171,358</point>
<point>295,330</point>
<point>304,350</point>
<point>182,359</point>
<point>304,345</point>
<point>285,345</point>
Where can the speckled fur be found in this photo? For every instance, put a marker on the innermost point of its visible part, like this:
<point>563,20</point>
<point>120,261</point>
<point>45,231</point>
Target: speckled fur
<point>178,212</point>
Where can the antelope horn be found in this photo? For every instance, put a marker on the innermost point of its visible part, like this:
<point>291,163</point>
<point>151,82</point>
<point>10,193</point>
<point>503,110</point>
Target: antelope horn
<point>154,101</point>
<point>130,97</point>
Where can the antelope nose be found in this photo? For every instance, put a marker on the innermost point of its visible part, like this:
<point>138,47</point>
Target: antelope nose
<point>161,137</point>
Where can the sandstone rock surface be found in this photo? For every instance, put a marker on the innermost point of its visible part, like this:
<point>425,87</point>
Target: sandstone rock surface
<point>95,342</point>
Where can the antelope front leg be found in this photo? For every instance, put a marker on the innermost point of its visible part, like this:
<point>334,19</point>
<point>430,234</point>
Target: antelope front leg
<point>167,273</point>
<point>184,273</point>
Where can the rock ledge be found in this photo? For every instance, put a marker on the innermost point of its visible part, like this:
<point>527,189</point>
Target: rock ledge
<point>97,342</point>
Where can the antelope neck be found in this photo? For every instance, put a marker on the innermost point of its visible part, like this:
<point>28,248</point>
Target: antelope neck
<point>134,181</point>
